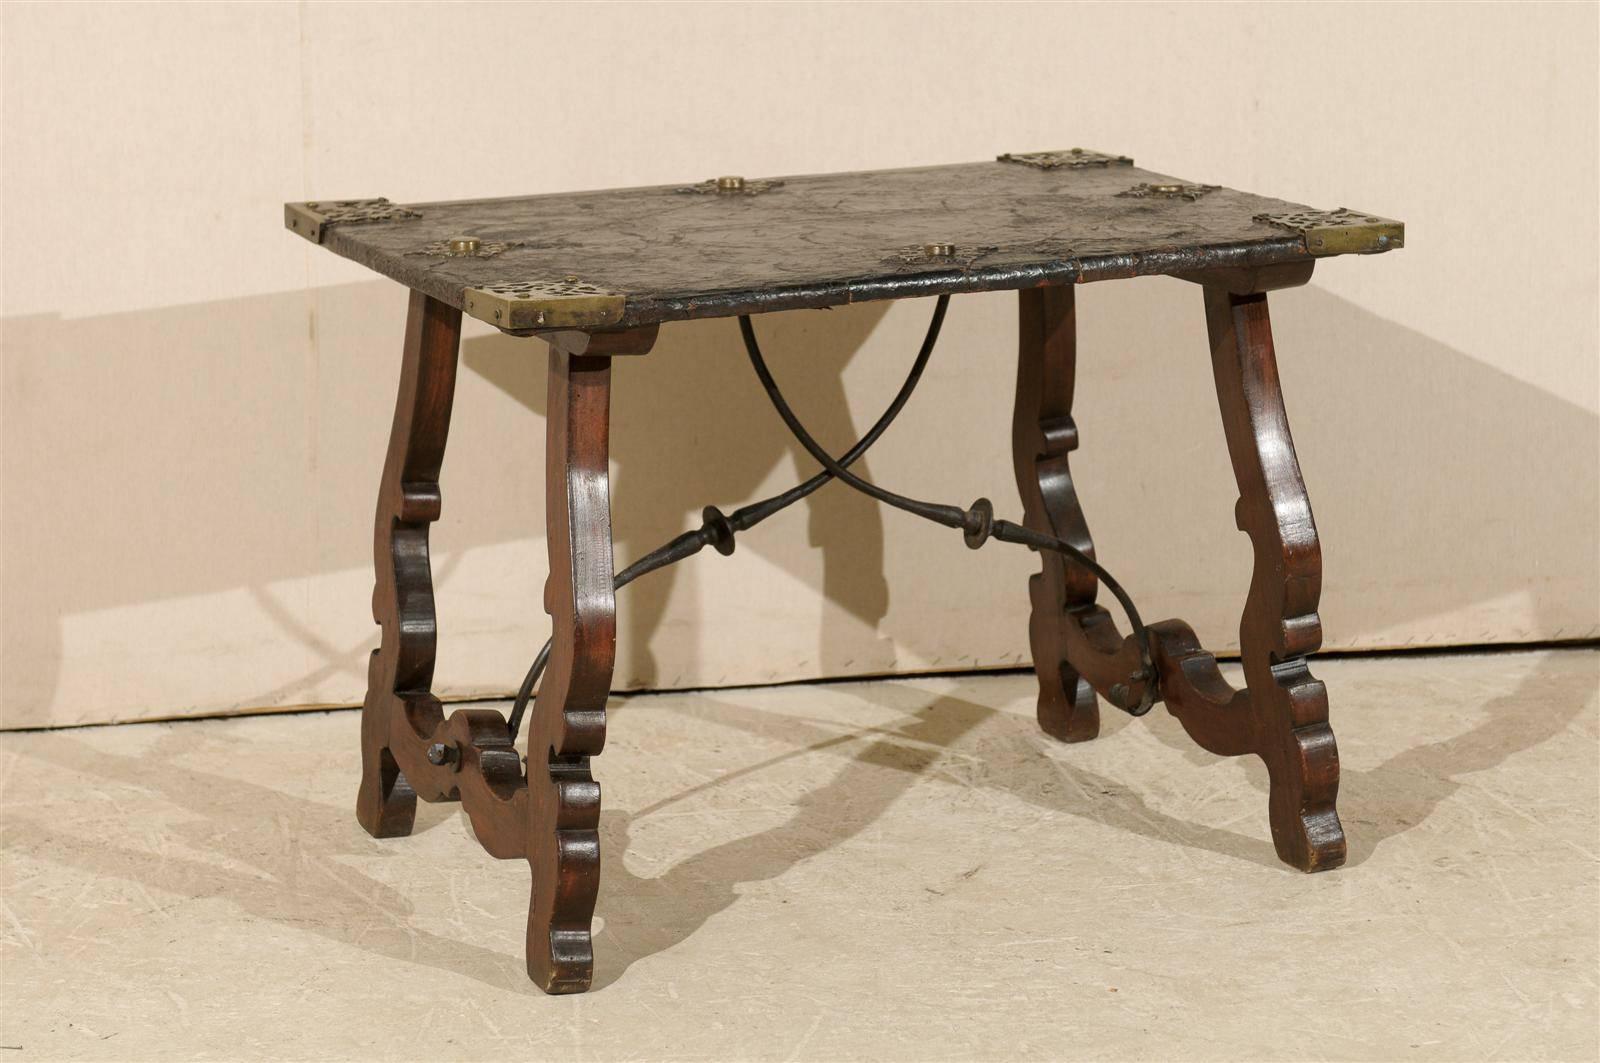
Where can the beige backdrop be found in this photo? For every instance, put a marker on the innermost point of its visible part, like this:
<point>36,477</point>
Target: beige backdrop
<point>195,402</point>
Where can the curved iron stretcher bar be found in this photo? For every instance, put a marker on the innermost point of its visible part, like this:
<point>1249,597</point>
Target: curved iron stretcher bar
<point>1138,691</point>
<point>718,531</point>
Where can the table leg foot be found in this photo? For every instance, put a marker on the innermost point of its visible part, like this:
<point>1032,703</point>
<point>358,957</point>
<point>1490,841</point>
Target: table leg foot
<point>386,805</point>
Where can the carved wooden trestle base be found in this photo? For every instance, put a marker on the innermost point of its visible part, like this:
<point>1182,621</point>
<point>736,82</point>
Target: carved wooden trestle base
<point>1039,224</point>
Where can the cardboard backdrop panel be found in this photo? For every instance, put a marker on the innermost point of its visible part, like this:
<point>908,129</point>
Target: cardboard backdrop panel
<point>195,403</point>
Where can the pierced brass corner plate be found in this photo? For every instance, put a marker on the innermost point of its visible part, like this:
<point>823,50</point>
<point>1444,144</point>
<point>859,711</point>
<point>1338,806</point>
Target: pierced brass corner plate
<point>568,303</point>
<point>1341,232</point>
<point>1072,159</point>
<point>312,219</point>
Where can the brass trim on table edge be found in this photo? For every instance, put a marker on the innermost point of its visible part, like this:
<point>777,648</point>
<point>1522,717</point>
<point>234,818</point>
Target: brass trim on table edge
<point>1341,232</point>
<point>565,304</point>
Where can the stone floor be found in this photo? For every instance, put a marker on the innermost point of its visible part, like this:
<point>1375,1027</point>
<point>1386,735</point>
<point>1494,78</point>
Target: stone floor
<point>889,870</point>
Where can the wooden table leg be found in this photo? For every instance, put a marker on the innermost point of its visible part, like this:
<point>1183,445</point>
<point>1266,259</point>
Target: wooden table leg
<point>1288,708</point>
<point>1282,715</point>
<point>568,722</point>
<point>1043,436</point>
<point>409,748</point>
<point>549,816</point>
<point>400,671</point>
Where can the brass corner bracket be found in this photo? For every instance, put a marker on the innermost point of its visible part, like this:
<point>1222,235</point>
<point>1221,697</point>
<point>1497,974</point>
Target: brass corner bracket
<point>568,303</point>
<point>1072,159</point>
<point>1341,232</point>
<point>312,219</point>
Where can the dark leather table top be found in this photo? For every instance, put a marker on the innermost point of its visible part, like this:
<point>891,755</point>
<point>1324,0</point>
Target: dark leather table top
<point>630,257</point>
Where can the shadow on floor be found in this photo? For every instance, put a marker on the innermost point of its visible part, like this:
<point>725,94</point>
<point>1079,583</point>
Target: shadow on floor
<point>284,858</point>
<point>645,916</point>
<point>1399,794</point>
<point>273,855</point>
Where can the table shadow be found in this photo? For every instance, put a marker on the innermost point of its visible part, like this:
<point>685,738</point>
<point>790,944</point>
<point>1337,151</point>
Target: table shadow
<point>308,881</point>
<point>646,915</point>
<point>304,882</point>
<point>1381,803</point>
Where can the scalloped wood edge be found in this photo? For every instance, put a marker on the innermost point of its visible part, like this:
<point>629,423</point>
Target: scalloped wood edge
<point>410,748</point>
<point>1282,715</point>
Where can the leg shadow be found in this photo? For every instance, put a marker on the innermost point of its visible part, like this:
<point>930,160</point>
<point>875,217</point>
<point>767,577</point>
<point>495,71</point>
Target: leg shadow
<point>296,876</point>
<point>1406,789</point>
<point>648,915</point>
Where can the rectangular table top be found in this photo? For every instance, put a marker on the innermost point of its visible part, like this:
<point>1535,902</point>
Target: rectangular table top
<point>636,256</point>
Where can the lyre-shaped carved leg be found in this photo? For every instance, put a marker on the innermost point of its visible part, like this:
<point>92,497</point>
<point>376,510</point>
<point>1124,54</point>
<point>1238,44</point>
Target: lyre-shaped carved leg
<point>568,724</point>
<point>1043,435</point>
<point>551,815</point>
<point>1288,708</point>
<point>1282,715</point>
<point>400,671</point>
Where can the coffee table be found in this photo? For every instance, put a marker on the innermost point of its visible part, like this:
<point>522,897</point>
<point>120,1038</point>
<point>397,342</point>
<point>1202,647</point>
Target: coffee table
<point>596,274</point>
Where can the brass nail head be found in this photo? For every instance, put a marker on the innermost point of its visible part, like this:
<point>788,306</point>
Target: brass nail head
<point>939,250</point>
<point>730,184</point>
<point>464,245</point>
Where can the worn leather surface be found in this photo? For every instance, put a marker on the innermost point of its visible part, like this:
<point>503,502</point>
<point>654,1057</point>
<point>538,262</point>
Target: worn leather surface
<point>829,239</point>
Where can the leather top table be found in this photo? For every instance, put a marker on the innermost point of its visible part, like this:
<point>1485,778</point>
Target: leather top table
<point>595,274</point>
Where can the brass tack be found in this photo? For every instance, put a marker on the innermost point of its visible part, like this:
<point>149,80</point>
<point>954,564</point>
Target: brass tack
<point>730,184</point>
<point>939,250</point>
<point>464,245</point>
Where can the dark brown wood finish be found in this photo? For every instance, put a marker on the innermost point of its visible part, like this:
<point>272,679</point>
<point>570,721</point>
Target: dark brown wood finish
<point>1043,437</point>
<point>410,749</point>
<point>666,253</point>
<point>1282,715</point>
<point>569,715</point>
<point>400,671</point>
<point>1287,708</point>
